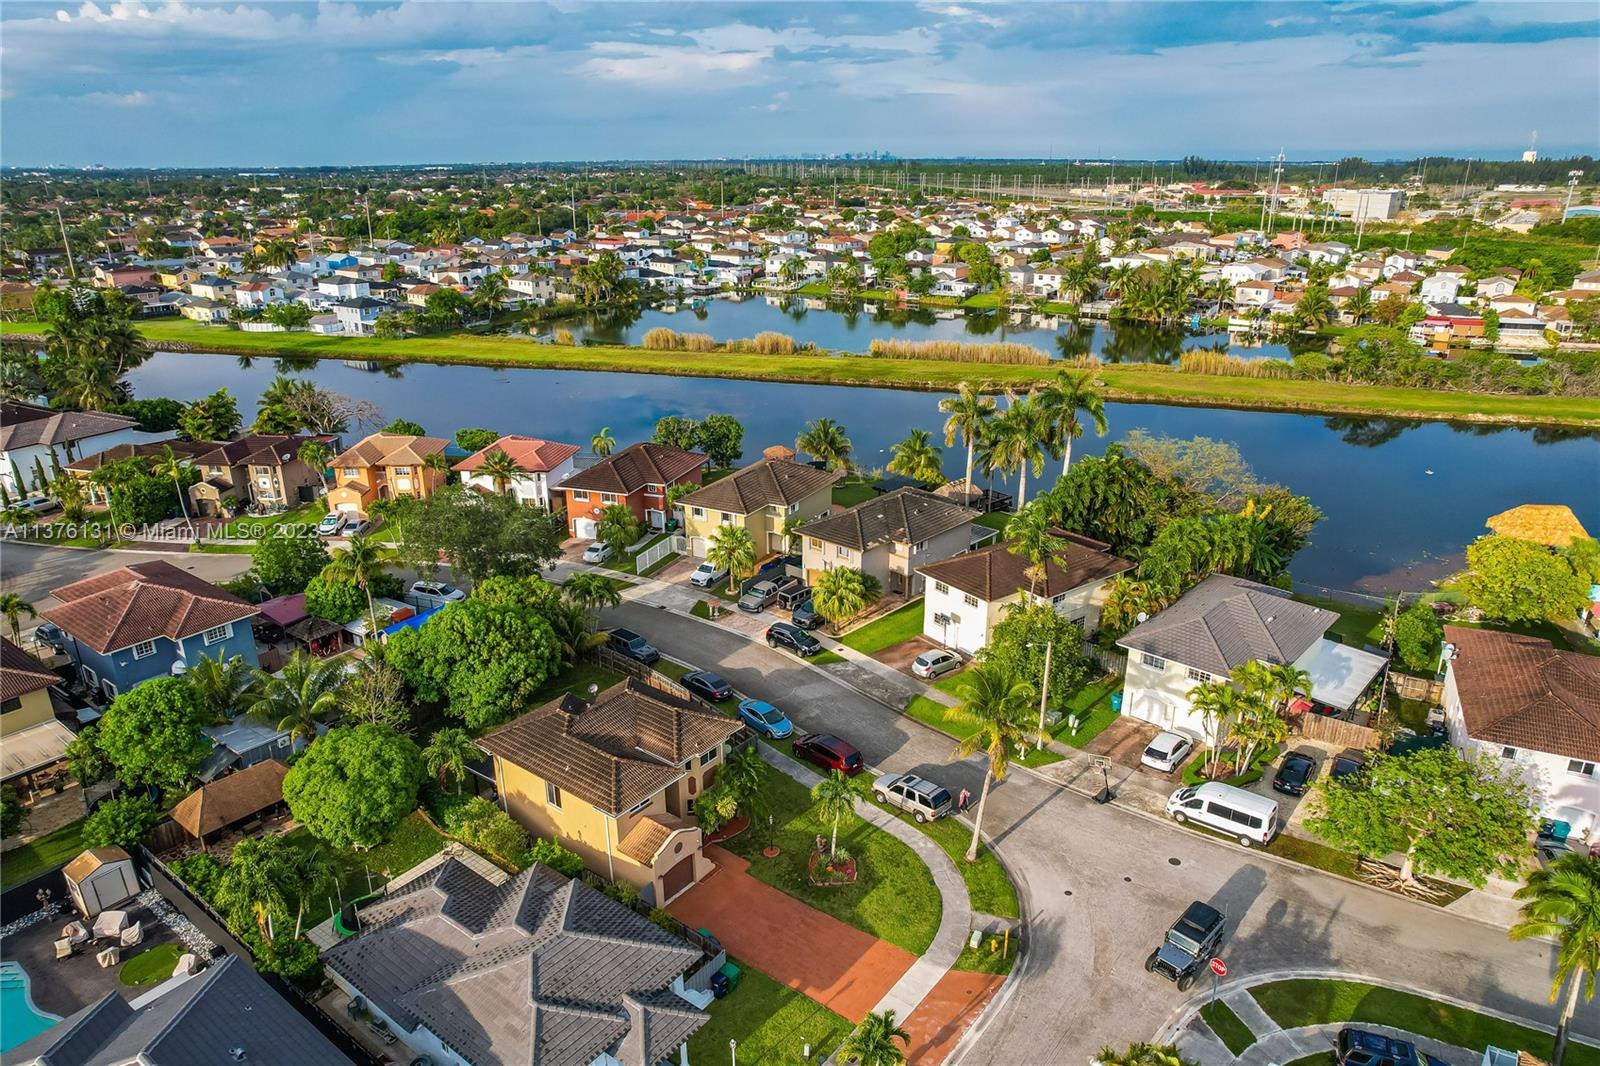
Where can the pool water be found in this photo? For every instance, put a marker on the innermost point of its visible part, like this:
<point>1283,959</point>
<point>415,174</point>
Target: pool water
<point>20,1020</point>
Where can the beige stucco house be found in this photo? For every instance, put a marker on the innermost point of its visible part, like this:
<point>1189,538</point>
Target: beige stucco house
<point>383,466</point>
<point>889,537</point>
<point>30,736</point>
<point>760,497</point>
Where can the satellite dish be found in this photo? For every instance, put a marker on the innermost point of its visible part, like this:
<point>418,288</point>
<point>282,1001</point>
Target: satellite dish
<point>593,689</point>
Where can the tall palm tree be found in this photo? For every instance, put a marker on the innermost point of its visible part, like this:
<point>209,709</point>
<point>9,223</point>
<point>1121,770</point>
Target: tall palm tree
<point>968,411</point>
<point>591,593</point>
<point>872,1043</point>
<point>360,561</point>
<point>1563,904</point>
<point>917,457</point>
<point>603,443</point>
<point>448,753</point>
<point>500,469</point>
<point>731,548</point>
<point>1032,536</point>
<point>825,439</point>
<point>1064,400</point>
<point>1016,440</point>
<point>305,692</point>
<point>1218,705</point>
<point>224,685</point>
<point>1359,306</point>
<point>836,803</point>
<point>316,455</point>
<point>490,292</point>
<point>168,465</point>
<point>311,872</point>
<point>842,593</point>
<point>1000,706</point>
<point>13,607</point>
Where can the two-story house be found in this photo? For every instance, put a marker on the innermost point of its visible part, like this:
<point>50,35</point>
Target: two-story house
<point>615,780</point>
<point>359,314</point>
<point>263,470</point>
<point>148,620</point>
<point>1520,699</point>
<point>544,463</point>
<point>29,432</point>
<point>30,736</point>
<point>637,477</point>
<point>967,594</point>
<point>760,497</point>
<point>890,537</point>
<point>384,466</point>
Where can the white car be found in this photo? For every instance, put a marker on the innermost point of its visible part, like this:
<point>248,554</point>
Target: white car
<point>598,552</point>
<point>931,664</point>
<point>36,505</point>
<point>707,574</point>
<point>1167,751</point>
<point>332,523</point>
<point>437,590</point>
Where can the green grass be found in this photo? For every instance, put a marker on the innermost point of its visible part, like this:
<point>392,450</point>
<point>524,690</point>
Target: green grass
<point>894,897</point>
<point>993,520</point>
<point>849,491</point>
<point>46,853</point>
<point>701,609</point>
<point>1260,763</point>
<point>1314,1002</point>
<point>1140,382</point>
<point>626,562</point>
<point>363,872</point>
<point>771,1022</point>
<point>823,658</point>
<point>1226,1024</point>
<point>671,669</point>
<point>1358,625</point>
<point>1095,697</point>
<point>989,890</point>
<point>150,967</point>
<point>576,679</point>
<point>306,514</point>
<point>985,958</point>
<point>893,628</point>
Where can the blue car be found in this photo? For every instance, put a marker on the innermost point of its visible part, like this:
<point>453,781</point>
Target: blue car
<point>765,719</point>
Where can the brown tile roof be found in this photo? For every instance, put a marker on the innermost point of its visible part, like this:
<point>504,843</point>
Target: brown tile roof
<point>995,572</point>
<point>390,449</point>
<point>634,467</point>
<point>905,515</point>
<point>183,449</point>
<point>140,602</point>
<point>25,424</point>
<point>648,836</point>
<point>625,746</point>
<point>531,453</point>
<point>231,799</point>
<point>763,483</point>
<point>1524,692</point>
<point>21,673</point>
<point>261,449</point>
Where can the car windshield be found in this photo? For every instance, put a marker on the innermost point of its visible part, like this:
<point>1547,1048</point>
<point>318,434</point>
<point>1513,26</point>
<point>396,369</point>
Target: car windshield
<point>1155,752</point>
<point>853,759</point>
<point>772,716</point>
<point>940,798</point>
<point>1183,942</point>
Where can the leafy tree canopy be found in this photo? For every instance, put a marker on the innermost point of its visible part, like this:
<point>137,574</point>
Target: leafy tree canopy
<point>287,562</point>
<point>352,786</point>
<point>479,536</point>
<point>151,733</point>
<point>1518,580</point>
<point>121,821</point>
<point>1017,647</point>
<point>474,440</point>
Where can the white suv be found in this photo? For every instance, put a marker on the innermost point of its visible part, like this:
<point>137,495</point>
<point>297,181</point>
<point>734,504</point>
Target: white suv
<point>707,574</point>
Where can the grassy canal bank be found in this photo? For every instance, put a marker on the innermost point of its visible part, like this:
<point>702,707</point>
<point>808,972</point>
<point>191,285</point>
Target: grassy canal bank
<point>1132,383</point>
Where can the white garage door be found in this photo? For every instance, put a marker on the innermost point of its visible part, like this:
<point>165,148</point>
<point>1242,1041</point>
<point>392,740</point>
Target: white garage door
<point>345,508</point>
<point>584,528</point>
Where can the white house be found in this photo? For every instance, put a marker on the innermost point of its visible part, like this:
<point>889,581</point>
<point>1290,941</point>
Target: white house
<point>1441,288</point>
<point>1537,708</point>
<point>29,432</point>
<point>341,287</point>
<point>359,314</point>
<point>544,463</point>
<point>540,288</point>
<point>258,294</point>
<point>966,595</point>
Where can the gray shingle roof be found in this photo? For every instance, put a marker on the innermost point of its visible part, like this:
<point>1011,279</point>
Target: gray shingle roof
<point>904,515</point>
<point>764,483</point>
<point>1224,622</point>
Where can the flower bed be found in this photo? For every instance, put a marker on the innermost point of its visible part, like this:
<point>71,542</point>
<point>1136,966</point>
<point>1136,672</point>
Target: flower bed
<point>830,871</point>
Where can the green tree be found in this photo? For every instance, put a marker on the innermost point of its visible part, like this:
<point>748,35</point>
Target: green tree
<point>1031,534</point>
<point>374,694</point>
<point>214,418</point>
<point>479,536</point>
<point>842,593</point>
<point>722,439</point>
<point>1418,634</point>
<point>500,469</point>
<point>12,608</point>
<point>85,758</point>
<point>1018,644</point>
<point>873,1042</point>
<point>316,455</point>
<point>676,431</point>
<point>1463,818</point>
<point>151,733</point>
<point>360,561</point>
<point>967,416</point>
<point>475,440</point>
<point>287,560</point>
<point>224,685</point>
<point>825,441</point>
<point>407,427</point>
<point>1140,1054</point>
<point>591,593</point>
<point>603,443</point>
<point>836,803</point>
<point>1113,498</point>
<point>999,706</point>
<point>13,815</point>
<point>352,787</point>
<point>1219,705</point>
<point>448,753</point>
<point>255,886</point>
<point>1067,401</point>
<point>1562,903</point>
<point>1518,580</point>
<point>121,821</point>
<point>731,548</point>
<point>918,458</point>
<point>300,696</point>
<point>1017,440</point>
<point>618,527</point>
<point>337,601</point>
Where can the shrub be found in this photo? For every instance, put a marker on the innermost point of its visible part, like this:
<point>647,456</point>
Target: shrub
<point>564,336</point>
<point>1313,366</point>
<point>661,339</point>
<point>352,786</point>
<point>959,352</point>
<point>553,855</point>
<point>1224,365</point>
<point>481,825</point>
<point>1417,634</point>
<point>121,821</point>
<point>201,872</point>
<point>766,342</point>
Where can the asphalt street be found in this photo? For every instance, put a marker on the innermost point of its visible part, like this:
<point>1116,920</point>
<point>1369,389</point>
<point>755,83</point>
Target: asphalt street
<point>32,571</point>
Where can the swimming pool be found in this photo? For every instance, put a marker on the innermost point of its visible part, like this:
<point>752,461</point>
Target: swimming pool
<point>20,1020</point>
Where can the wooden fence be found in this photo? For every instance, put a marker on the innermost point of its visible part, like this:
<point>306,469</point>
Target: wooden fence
<point>1110,660</point>
<point>1337,731</point>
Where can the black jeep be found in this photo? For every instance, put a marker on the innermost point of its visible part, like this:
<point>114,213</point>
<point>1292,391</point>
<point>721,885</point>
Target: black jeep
<point>1190,944</point>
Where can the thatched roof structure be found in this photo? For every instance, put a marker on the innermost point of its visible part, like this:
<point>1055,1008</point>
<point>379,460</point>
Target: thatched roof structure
<point>1550,524</point>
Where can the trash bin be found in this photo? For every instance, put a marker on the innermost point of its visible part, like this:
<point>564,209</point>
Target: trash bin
<point>730,974</point>
<point>719,984</point>
<point>1116,703</point>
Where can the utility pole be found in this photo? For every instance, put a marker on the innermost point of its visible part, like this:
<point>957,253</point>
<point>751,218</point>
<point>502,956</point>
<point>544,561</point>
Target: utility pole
<point>1573,177</point>
<point>1277,176</point>
<point>1044,694</point>
<point>72,267</point>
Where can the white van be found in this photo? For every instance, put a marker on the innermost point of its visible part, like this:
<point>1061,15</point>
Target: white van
<point>1249,818</point>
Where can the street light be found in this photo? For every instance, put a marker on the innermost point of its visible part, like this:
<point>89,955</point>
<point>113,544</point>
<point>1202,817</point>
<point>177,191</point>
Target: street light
<point>1044,692</point>
<point>1573,177</point>
<point>733,1051</point>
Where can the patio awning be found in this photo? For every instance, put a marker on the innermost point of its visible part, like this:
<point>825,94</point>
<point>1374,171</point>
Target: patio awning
<point>33,747</point>
<point>284,611</point>
<point>1339,673</point>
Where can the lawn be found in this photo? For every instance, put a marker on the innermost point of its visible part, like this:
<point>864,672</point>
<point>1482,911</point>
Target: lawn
<point>992,955</point>
<point>46,853</point>
<point>1310,853</point>
<point>1314,1002</point>
<point>894,898</point>
<point>1321,1058</point>
<point>772,1023</point>
<point>993,520</point>
<point>671,669</point>
<point>364,872</point>
<point>307,514</point>
<point>849,491</point>
<point>151,966</point>
<point>823,658</point>
<point>989,890</point>
<point>1357,626</point>
<point>1226,1024</point>
<point>880,633</point>
<point>576,678</point>
<point>626,562</point>
<point>1095,697</point>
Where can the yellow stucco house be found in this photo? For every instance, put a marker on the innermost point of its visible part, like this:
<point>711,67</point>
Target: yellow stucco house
<point>383,466</point>
<point>30,737</point>
<point>615,779</point>
<point>760,497</point>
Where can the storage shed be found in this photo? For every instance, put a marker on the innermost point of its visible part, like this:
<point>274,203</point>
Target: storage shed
<point>99,879</point>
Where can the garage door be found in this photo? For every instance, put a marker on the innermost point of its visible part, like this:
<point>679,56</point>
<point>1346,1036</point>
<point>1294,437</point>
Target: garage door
<point>678,878</point>
<point>584,528</point>
<point>345,508</point>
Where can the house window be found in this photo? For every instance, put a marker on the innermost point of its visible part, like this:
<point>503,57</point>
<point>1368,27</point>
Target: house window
<point>655,490</point>
<point>698,512</point>
<point>609,497</point>
<point>217,633</point>
<point>552,795</point>
<point>919,547</point>
<point>349,471</point>
<point>1508,753</point>
<point>941,588</point>
<point>727,518</point>
<point>708,757</point>
<point>1154,662</point>
<point>970,599</point>
<point>1578,766</point>
<point>842,552</point>
<point>1198,675</point>
<point>402,470</point>
<point>144,649</point>
<point>792,508</point>
<point>214,470</point>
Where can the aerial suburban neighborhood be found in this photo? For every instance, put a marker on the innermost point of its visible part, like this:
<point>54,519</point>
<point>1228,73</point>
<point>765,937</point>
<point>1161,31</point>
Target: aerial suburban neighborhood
<point>689,598</point>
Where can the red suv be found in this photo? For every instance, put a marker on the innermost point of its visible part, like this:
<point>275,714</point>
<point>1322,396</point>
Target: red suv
<point>828,752</point>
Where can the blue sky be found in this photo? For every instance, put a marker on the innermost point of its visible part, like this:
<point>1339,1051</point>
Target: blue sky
<point>130,83</point>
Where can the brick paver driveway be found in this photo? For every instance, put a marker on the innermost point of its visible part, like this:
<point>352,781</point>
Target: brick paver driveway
<point>837,965</point>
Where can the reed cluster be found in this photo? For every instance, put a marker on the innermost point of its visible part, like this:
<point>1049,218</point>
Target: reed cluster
<point>960,352</point>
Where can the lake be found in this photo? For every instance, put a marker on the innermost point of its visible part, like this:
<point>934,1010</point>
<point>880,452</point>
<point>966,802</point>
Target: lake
<point>1403,498</point>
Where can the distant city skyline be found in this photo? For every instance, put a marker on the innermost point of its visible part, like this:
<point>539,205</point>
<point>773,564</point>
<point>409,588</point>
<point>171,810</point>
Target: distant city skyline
<point>264,85</point>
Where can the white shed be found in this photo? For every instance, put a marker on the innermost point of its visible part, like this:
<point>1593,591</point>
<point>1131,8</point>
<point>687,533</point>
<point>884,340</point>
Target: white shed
<point>101,878</point>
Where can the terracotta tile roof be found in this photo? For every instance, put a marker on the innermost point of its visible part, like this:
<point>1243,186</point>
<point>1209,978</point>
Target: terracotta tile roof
<point>1524,692</point>
<point>995,572</point>
<point>25,424</point>
<point>634,467</point>
<point>261,449</point>
<point>763,483</point>
<point>1551,524</point>
<point>390,449</point>
<point>624,747</point>
<point>21,673</point>
<point>648,836</point>
<point>140,602</point>
<point>905,516</point>
<point>231,799</point>
<point>183,449</point>
<point>531,453</point>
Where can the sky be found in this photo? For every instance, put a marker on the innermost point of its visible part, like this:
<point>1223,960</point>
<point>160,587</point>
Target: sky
<point>267,83</point>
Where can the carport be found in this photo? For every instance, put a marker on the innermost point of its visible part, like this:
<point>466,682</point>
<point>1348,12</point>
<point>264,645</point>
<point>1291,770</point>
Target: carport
<point>1340,674</point>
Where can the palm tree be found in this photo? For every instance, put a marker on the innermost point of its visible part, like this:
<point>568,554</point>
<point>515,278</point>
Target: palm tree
<point>255,882</point>
<point>747,774</point>
<point>305,692</point>
<point>278,253</point>
<point>1142,1055</point>
<point>168,465</point>
<point>448,754</point>
<point>1218,705</point>
<point>1063,400</point>
<point>824,439</point>
<point>360,561</point>
<point>836,802</point>
<point>13,607</point>
<point>1032,536</point>
<point>917,457</point>
<point>842,593</point>
<point>792,270</point>
<point>501,469</point>
<point>1359,306</point>
<point>603,443</point>
<point>1016,441</point>
<point>224,685</point>
<point>311,871</point>
<point>1563,904</point>
<point>316,455</point>
<point>969,411</point>
<point>732,549</point>
<point>872,1043</point>
<point>490,292</point>
<point>591,593</point>
<point>1000,706</point>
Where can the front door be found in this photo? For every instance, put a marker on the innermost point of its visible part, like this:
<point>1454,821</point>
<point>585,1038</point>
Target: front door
<point>678,878</point>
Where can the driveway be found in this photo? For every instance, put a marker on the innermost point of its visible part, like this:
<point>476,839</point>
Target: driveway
<point>901,655</point>
<point>1101,882</point>
<point>837,965</point>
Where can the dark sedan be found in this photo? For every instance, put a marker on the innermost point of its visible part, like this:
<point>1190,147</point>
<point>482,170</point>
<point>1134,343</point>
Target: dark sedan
<point>1295,774</point>
<point>708,686</point>
<point>829,752</point>
<point>793,638</point>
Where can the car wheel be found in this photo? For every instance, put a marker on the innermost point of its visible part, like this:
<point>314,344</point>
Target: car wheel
<point>881,798</point>
<point>1245,842</point>
<point>1179,817</point>
<point>1186,982</point>
<point>1150,963</point>
<point>771,643</point>
<point>919,816</point>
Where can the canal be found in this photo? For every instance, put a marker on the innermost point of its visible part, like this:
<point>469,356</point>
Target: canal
<point>1403,498</point>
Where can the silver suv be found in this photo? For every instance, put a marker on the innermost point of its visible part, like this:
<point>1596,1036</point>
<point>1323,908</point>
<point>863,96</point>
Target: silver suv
<point>924,800</point>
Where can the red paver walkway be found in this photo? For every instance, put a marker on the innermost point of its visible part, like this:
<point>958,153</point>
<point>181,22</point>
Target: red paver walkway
<point>950,1009</point>
<point>837,965</point>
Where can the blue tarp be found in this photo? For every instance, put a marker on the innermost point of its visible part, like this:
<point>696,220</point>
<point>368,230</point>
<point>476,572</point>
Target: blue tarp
<point>415,621</point>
